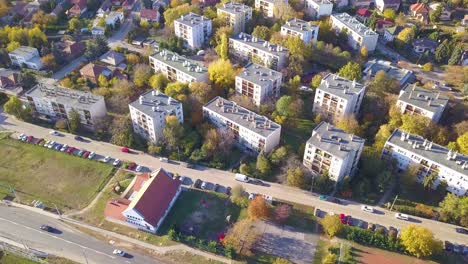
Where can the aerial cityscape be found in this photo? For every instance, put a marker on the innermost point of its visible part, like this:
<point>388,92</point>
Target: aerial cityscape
<point>234,131</point>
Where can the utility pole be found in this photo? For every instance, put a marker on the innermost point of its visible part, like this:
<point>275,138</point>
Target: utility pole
<point>58,211</point>
<point>394,200</point>
<point>86,258</point>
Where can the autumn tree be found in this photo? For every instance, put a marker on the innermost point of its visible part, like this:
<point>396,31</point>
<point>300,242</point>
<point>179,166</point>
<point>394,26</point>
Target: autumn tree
<point>454,209</point>
<point>122,131</point>
<point>141,75</point>
<point>278,155</point>
<point>202,91</point>
<point>283,11</point>
<point>351,71</point>
<point>75,24</point>
<point>389,13</point>
<point>263,164</point>
<point>434,16</point>
<point>296,177</point>
<point>74,121</point>
<point>419,241</point>
<point>429,180</point>
<point>14,106</point>
<point>174,13</point>
<point>49,61</point>
<point>462,143</point>
<point>222,74</point>
<point>282,213</point>
<point>405,36</point>
<point>177,90</point>
<point>158,81</point>
<point>316,81</point>
<point>173,131</point>
<point>330,258</point>
<point>349,124</point>
<point>258,209</point>
<point>331,225</point>
<point>415,124</point>
<point>262,32</point>
<point>363,53</point>
<point>222,48</point>
<point>241,237</point>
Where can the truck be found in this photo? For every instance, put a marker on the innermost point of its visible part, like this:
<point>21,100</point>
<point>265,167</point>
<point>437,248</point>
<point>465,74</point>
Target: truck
<point>241,178</point>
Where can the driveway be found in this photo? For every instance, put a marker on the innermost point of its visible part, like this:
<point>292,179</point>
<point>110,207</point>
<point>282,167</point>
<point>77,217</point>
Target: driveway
<point>286,242</point>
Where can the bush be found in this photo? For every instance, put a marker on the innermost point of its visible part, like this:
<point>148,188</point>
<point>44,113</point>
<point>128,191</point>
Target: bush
<point>229,252</point>
<point>172,234</point>
<point>420,210</point>
<point>369,238</point>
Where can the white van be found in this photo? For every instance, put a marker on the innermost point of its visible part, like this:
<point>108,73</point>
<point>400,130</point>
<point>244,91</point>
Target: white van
<point>163,159</point>
<point>241,177</point>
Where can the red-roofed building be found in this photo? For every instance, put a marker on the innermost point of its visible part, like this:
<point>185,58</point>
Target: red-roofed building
<point>420,12</point>
<point>128,4</point>
<point>362,14</point>
<point>92,71</point>
<point>149,15</point>
<point>78,8</point>
<point>151,199</point>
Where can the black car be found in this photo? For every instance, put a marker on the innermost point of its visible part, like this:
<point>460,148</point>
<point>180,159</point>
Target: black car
<point>448,246</point>
<point>78,138</point>
<point>461,230</point>
<point>197,183</point>
<point>334,200</point>
<point>47,228</point>
<point>190,165</point>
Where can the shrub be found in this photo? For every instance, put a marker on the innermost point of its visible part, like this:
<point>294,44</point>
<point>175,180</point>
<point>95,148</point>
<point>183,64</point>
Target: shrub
<point>367,237</point>
<point>172,234</point>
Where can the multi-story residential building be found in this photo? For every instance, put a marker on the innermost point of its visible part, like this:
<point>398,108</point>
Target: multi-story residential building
<point>194,29</point>
<point>337,97</point>
<point>304,30</point>
<point>237,15</point>
<point>149,114</point>
<point>360,3</point>
<point>252,132</point>
<point>55,102</point>
<point>381,5</point>
<point>340,3</point>
<point>358,34</point>
<point>249,48</point>
<point>332,150</point>
<point>267,7</point>
<point>178,68</point>
<point>415,100</point>
<point>258,83</point>
<point>403,76</point>
<point>26,56</point>
<point>318,8</point>
<point>428,157</point>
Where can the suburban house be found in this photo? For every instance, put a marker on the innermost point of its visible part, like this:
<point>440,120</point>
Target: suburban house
<point>149,15</point>
<point>105,9</point>
<point>362,14</point>
<point>26,56</point>
<point>413,150</point>
<point>420,12</point>
<point>114,17</point>
<point>148,200</point>
<point>381,5</point>
<point>403,76</point>
<point>71,49</point>
<point>9,82</point>
<point>98,31</point>
<point>390,33</point>
<point>446,14</point>
<point>91,71</point>
<point>113,58</point>
<point>422,45</point>
<point>78,8</point>
<point>318,8</point>
<point>383,24</point>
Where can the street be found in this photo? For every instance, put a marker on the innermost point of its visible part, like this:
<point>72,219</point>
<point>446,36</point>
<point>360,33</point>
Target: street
<point>442,231</point>
<point>22,226</point>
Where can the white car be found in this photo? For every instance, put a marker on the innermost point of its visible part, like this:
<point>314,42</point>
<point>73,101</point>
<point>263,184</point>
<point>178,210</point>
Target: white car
<point>91,155</point>
<point>163,159</point>
<point>368,209</point>
<point>118,252</point>
<point>53,132</point>
<point>20,137</point>
<point>106,159</point>
<point>116,162</point>
<point>64,147</point>
<point>252,196</point>
<point>46,144</point>
<point>138,168</point>
<point>402,216</point>
<point>51,144</point>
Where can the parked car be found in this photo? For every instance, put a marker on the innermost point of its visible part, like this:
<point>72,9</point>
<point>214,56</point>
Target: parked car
<point>51,144</point>
<point>448,246</point>
<point>63,148</point>
<point>86,154</point>
<point>368,209</point>
<point>29,139</point>
<point>78,138</point>
<point>252,196</point>
<point>70,150</point>
<point>91,155</point>
<point>371,226</point>
<point>189,165</point>
<point>360,224</point>
<point>465,250</point>
<point>40,142</point>
<point>46,228</point>
<point>228,190</point>
<point>118,252</point>
<point>334,200</point>
<point>163,159</point>
<point>349,220</point>
<point>106,159</point>
<point>461,230</point>
<point>126,150</point>
<point>456,248</point>
<point>216,187</point>
<point>138,168</point>
<point>402,216</point>
<point>58,147</point>
<point>204,185</point>
<point>131,166</point>
<point>182,179</point>
<point>116,162</point>
<point>197,183</point>
<point>80,153</point>
<point>20,137</point>
<point>54,133</point>
<point>323,197</point>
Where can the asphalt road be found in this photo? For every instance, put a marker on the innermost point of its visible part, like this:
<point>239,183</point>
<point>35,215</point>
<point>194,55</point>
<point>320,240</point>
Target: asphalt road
<point>22,226</point>
<point>383,217</point>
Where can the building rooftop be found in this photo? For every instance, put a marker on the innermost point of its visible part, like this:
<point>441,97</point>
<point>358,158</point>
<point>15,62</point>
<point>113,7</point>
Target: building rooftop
<point>422,98</point>
<point>192,19</point>
<point>334,141</point>
<point>299,25</point>
<point>431,151</point>
<point>258,74</point>
<point>323,2</point>
<point>114,14</point>
<point>23,51</point>
<point>242,116</point>
<point>65,96</point>
<point>153,102</point>
<point>373,66</point>
<point>425,42</point>
<point>340,87</point>
<point>181,63</point>
<point>354,24</point>
<point>112,57</point>
<point>235,8</point>
<point>260,44</point>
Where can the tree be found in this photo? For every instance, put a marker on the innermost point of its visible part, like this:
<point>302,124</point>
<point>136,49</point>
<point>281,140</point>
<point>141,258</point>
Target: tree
<point>177,90</point>
<point>454,209</point>
<point>389,13</point>
<point>222,48</point>
<point>102,81</point>
<point>141,75</point>
<point>419,241</point>
<point>27,80</point>
<point>282,213</point>
<point>330,258</point>
<point>457,76</point>
<point>349,124</point>
<point>242,237</point>
<point>296,177</point>
<point>429,180</point>
<point>382,84</point>
<point>172,14</point>
<point>283,11</point>
<point>36,38</point>
<point>202,92</point>
<point>281,261</point>
<point>122,131</point>
<point>12,46</point>
<point>456,55</point>
<point>14,106</point>
<point>237,191</point>
<point>428,67</point>
<point>258,209</point>
<point>383,180</point>
<point>262,32</point>
<point>415,124</point>
<point>331,225</point>
<point>222,74</point>
<point>96,47</point>
<point>173,131</point>
<point>263,164</point>
<point>75,25</point>
<point>443,52</point>
<point>434,16</point>
<point>363,53</point>
<point>278,155</point>
<point>316,81</point>
<point>74,121</point>
<point>351,71</point>
<point>159,82</point>
<point>405,36</point>
<point>462,143</point>
<point>49,61</point>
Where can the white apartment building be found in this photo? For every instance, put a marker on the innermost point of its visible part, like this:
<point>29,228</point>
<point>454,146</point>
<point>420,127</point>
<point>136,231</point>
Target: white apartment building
<point>415,100</point>
<point>178,68</point>
<point>358,34</point>
<point>26,56</point>
<point>149,114</point>
<point>194,29</point>
<point>337,97</point>
<point>258,83</point>
<point>340,3</point>
<point>237,15</point>
<point>318,8</point>
<point>332,150</point>
<point>55,102</point>
<point>306,31</point>
<point>408,149</point>
<point>248,48</point>
<point>267,7</point>
<point>252,132</point>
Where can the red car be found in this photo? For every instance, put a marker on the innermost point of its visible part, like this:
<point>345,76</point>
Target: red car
<point>86,154</point>
<point>126,150</point>
<point>343,218</point>
<point>131,166</point>
<point>349,220</point>
<point>70,150</point>
<point>29,139</point>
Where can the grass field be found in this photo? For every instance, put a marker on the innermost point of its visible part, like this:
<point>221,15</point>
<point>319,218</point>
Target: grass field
<point>8,258</point>
<point>37,173</point>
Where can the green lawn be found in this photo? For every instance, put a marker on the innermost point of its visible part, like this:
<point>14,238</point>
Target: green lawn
<point>9,258</point>
<point>37,173</point>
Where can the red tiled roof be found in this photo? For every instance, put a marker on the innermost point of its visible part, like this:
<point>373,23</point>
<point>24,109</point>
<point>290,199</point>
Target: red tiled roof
<point>128,3</point>
<point>364,12</point>
<point>419,8</point>
<point>149,14</point>
<point>140,180</point>
<point>157,195</point>
<point>92,70</point>
<point>115,207</point>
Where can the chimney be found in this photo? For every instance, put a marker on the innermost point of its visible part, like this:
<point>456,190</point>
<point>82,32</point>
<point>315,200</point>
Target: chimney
<point>153,108</point>
<point>153,93</point>
<point>169,100</point>
<point>402,137</point>
<point>437,96</point>
<point>449,155</point>
<point>429,102</point>
<point>345,90</point>
<point>141,99</point>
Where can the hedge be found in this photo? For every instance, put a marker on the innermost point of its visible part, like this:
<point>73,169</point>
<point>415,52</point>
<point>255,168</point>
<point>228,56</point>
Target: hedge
<point>370,238</point>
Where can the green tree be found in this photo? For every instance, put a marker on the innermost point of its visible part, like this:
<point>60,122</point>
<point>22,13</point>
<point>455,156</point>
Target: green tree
<point>349,124</point>
<point>278,155</point>
<point>351,71</point>
<point>389,13</point>
<point>263,164</point>
<point>14,106</point>
<point>158,81</point>
<point>462,143</point>
<point>296,178</point>
<point>222,48</point>
<point>173,131</point>
<point>383,180</point>
<point>434,16</point>
<point>405,36</point>
<point>262,32</point>
<point>316,81</point>
<point>75,25</point>
<point>281,261</point>
<point>419,241</point>
<point>27,80</point>
<point>74,121</point>
<point>415,124</point>
<point>381,84</point>
<point>443,52</point>
<point>429,180</point>
<point>141,75</point>
<point>12,46</point>
<point>331,225</point>
<point>122,131</point>
<point>456,55</point>
<point>102,81</point>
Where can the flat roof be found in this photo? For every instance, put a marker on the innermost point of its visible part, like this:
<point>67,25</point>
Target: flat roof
<point>328,2</point>
<point>299,25</point>
<point>181,63</point>
<point>391,70</point>
<point>243,117</point>
<point>335,141</point>
<point>340,86</point>
<point>430,150</point>
<point>153,102</point>
<point>258,74</point>
<point>23,51</point>
<point>192,19</point>
<point>260,44</point>
<point>422,98</point>
<point>354,24</point>
<point>65,96</point>
<point>235,8</point>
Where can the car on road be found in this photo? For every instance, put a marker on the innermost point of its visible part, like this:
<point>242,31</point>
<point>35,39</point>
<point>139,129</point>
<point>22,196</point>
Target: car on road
<point>461,230</point>
<point>126,150</point>
<point>402,216</point>
<point>448,246</point>
<point>91,155</point>
<point>118,252</point>
<point>323,197</point>
<point>138,168</point>
<point>189,165</point>
<point>163,159</point>
<point>116,162</point>
<point>46,228</point>
<point>241,177</point>
<point>106,159</point>
<point>334,200</point>
<point>78,138</point>
<point>54,133</point>
<point>63,148</point>
<point>368,209</point>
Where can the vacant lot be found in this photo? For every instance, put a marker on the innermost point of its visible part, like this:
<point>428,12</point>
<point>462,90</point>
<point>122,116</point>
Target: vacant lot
<point>37,173</point>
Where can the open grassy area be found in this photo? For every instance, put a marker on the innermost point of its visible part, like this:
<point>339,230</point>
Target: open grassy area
<point>9,258</point>
<point>37,173</point>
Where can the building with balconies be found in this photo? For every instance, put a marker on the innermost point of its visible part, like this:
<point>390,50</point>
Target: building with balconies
<point>178,68</point>
<point>194,29</point>
<point>306,31</point>
<point>318,8</point>
<point>267,7</point>
<point>237,15</point>
<point>359,35</point>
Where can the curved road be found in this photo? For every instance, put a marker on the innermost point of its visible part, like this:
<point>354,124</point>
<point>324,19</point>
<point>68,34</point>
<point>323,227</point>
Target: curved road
<point>442,231</point>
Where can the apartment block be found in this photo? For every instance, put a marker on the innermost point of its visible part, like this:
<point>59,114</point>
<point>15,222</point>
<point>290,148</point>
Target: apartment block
<point>194,29</point>
<point>318,8</point>
<point>55,102</point>
<point>178,68</point>
<point>414,150</point>
<point>249,48</point>
<point>332,150</point>
<point>415,100</point>
<point>267,7</point>
<point>26,56</point>
<point>337,97</point>
<point>237,15</point>
<point>252,132</point>
<point>358,34</point>
<point>306,31</point>
<point>149,114</point>
<point>258,83</point>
